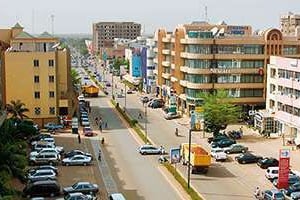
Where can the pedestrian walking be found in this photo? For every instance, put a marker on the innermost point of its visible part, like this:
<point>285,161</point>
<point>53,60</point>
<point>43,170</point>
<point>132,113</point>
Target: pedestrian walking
<point>99,155</point>
<point>79,139</point>
<point>97,121</point>
<point>140,116</point>
<point>100,125</point>
<point>105,125</point>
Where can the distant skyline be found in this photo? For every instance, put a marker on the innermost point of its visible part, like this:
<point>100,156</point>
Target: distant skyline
<point>77,16</point>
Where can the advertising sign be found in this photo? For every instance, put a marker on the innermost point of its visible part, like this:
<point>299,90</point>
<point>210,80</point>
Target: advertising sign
<point>136,66</point>
<point>175,155</point>
<point>74,125</point>
<point>197,118</point>
<point>284,168</point>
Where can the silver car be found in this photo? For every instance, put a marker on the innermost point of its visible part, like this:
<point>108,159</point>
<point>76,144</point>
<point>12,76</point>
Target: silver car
<point>44,151</point>
<point>77,160</point>
<point>150,149</point>
<point>41,175</point>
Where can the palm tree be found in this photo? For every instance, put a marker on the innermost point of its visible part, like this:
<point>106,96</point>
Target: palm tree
<point>75,77</point>
<point>17,109</point>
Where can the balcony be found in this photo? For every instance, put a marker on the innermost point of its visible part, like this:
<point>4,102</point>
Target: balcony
<point>239,56</point>
<point>233,71</point>
<point>166,75</point>
<point>238,85</point>
<point>199,85</point>
<point>196,55</point>
<point>183,83</point>
<point>173,53</point>
<point>166,51</point>
<point>166,63</point>
<point>155,60</point>
<point>167,38</point>
<point>173,79</point>
<point>196,41</point>
<point>172,66</point>
<point>184,69</point>
<point>155,49</point>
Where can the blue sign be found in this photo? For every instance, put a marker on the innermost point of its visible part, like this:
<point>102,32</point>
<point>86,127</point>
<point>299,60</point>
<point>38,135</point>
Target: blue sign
<point>175,155</point>
<point>136,66</point>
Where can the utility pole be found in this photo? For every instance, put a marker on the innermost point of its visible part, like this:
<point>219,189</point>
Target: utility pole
<point>125,96</point>
<point>189,158</point>
<point>146,132</point>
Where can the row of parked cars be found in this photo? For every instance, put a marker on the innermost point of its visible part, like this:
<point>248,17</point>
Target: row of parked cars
<point>42,179</point>
<point>84,119</point>
<point>224,144</point>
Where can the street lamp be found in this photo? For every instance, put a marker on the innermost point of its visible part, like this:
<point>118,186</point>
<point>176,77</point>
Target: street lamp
<point>112,86</point>
<point>146,123</point>
<point>189,158</point>
<point>125,96</point>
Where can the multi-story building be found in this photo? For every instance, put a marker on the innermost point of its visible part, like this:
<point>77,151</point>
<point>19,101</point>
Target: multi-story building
<point>282,114</point>
<point>201,57</point>
<point>104,34</point>
<point>290,24</point>
<point>36,71</point>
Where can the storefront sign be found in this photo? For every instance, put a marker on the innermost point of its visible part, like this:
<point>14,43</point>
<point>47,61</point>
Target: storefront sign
<point>284,168</point>
<point>175,155</point>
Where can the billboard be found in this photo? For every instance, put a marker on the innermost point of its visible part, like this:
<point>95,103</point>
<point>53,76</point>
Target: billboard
<point>284,168</point>
<point>136,66</point>
<point>175,155</point>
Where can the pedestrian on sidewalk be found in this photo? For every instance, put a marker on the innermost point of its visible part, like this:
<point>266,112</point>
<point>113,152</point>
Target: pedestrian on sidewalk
<point>105,125</point>
<point>97,121</point>
<point>140,116</point>
<point>100,125</point>
<point>79,139</point>
<point>99,155</point>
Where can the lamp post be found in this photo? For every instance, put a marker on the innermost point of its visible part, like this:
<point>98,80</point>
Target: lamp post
<point>189,158</point>
<point>146,123</point>
<point>112,86</point>
<point>125,96</point>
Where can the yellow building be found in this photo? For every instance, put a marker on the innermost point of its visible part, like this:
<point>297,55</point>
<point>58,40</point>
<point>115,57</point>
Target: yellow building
<point>202,57</point>
<point>37,71</point>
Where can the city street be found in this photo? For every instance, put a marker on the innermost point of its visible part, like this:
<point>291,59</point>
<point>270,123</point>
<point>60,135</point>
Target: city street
<point>228,180</point>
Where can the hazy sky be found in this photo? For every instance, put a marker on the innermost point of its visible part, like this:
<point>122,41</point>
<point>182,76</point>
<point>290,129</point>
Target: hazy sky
<point>77,16</point>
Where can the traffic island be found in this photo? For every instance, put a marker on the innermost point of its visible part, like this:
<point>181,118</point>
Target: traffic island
<point>133,123</point>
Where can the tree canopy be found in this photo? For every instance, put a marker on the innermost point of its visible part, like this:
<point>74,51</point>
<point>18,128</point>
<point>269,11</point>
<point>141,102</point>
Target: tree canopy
<point>219,111</point>
<point>17,109</point>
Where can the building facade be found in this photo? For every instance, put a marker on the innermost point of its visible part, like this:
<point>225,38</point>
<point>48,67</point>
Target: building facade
<point>201,57</point>
<point>104,34</point>
<point>282,114</point>
<point>37,72</point>
<point>290,24</point>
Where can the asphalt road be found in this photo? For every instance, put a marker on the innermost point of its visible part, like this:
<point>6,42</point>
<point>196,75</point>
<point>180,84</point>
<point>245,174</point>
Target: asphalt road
<point>136,176</point>
<point>228,180</point>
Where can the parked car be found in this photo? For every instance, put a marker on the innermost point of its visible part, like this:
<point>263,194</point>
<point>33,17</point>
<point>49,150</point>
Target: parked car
<point>235,135</point>
<point>247,158</point>
<point>46,167</point>
<point>85,122</point>
<point>218,154</point>
<point>295,196</point>
<point>150,149</point>
<point>267,162</point>
<point>273,194</point>
<point>130,91</point>
<point>223,143</point>
<point>77,152</point>
<point>77,160</point>
<point>45,158</point>
<point>272,173</point>
<point>45,151</point>
<point>292,180</point>
<point>145,99</point>
<point>45,139</point>
<point>83,187</point>
<point>78,196</point>
<point>39,137</point>
<point>41,175</point>
<point>116,196</point>
<point>217,138</point>
<point>42,188</point>
<point>41,145</point>
<point>235,148</point>
<point>156,103</point>
<point>171,115</point>
<point>53,126</point>
<point>291,189</point>
<point>87,131</point>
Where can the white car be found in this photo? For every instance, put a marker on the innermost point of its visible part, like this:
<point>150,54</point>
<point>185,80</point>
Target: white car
<point>41,145</point>
<point>77,160</point>
<point>218,154</point>
<point>43,151</point>
<point>40,175</point>
<point>150,149</point>
<point>295,195</point>
<point>46,139</point>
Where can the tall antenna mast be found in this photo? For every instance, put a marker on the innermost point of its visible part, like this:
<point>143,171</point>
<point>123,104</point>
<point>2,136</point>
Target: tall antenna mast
<point>205,11</point>
<point>52,24</point>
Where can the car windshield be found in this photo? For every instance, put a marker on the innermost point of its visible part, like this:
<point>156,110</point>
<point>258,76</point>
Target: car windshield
<point>75,185</point>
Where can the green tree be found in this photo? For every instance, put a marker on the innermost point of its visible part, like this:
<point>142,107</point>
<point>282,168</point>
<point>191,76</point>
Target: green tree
<point>17,109</point>
<point>219,111</point>
<point>75,77</point>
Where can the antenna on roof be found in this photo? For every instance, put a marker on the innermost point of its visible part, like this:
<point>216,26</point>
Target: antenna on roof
<point>52,23</point>
<point>205,11</point>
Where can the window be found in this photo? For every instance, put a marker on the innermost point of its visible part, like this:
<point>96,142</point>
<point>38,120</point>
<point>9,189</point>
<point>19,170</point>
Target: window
<point>51,94</point>
<point>36,63</point>
<point>52,110</point>
<point>36,79</point>
<point>37,110</point>
<point>36,95</point>
<point>51,79</point>
<point>51,63</point>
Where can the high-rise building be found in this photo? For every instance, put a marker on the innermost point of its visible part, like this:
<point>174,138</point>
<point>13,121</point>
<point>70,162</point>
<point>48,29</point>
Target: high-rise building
<point>36,71</point>
<point>290,24</point>
<point>202,57</point>
<point>282,114</point>
<point>104,34</point>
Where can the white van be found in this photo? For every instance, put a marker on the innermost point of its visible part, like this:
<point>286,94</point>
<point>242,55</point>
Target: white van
<point>116,196</point>
<point>272,173</point>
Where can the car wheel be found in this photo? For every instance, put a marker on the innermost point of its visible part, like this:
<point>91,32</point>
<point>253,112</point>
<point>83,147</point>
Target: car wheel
<point>84,164</point>
<point>227,152</point>
<point>28,196</point>
<point>52,194</point>
<point>243,162</point>
<point>243,151</point>
<point>67,164</point>
<point>144,153</point>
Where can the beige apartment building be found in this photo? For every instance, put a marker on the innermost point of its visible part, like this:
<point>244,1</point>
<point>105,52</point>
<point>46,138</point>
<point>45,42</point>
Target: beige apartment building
<point>104,34</point>
<point>36,71</point>
<point>290,24</point>
<point>202,57</point>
